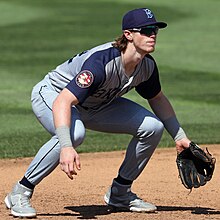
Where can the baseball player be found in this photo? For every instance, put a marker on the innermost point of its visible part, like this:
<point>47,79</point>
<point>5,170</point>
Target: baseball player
<point>85,92</point>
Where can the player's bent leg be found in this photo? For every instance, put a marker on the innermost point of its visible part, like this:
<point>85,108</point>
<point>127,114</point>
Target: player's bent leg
<point>45,161</point>
<point>125,116</point>
<point>138,154</point>
<point>47,158</point>
<point>141,148</point>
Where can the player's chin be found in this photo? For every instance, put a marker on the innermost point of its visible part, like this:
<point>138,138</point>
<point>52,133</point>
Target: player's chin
<point>150,49</point>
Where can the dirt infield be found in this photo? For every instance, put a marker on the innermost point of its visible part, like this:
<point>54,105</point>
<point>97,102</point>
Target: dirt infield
<point>57,197</point>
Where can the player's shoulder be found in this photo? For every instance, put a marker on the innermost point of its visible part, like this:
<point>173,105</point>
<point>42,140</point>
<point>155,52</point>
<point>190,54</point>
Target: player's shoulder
<point>103,47</point>
<point>103,53</point>
<point>106,49</point>
<point>149,57</point>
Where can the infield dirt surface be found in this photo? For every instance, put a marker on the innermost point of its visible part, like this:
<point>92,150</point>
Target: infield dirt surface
<point>59,198</point>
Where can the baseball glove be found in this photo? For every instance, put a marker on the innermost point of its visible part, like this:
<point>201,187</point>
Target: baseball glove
<point>195,166</point>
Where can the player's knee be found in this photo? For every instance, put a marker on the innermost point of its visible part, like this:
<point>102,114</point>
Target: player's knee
<point>77,133</point>
<point>152,127</point>
<point>159,128</point>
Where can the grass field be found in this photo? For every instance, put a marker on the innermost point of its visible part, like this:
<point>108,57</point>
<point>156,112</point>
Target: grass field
<point>36,36</point>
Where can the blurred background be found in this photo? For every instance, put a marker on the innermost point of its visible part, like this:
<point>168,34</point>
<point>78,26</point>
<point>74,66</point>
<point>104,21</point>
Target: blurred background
<point>38,35</point>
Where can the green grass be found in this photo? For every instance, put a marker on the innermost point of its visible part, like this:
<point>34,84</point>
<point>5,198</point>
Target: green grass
<point>36,36</point>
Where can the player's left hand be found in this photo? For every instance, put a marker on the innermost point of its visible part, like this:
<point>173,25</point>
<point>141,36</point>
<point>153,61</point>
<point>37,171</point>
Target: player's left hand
<point>69,159</point>
<point>195,166</point>
<point>182,144</point>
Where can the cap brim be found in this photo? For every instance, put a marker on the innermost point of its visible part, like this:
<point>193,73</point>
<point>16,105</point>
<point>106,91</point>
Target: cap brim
<point>160,24</point>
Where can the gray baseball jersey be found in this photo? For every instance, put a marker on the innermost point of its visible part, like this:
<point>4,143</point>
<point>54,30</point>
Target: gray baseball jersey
<point>96,77</point>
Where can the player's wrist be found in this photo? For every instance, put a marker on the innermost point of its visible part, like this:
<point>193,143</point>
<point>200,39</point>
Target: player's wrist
<point>179,135</point>
<point>63,134</point>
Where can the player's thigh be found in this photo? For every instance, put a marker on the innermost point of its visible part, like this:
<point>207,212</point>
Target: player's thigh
<point>123,116</point>
<point>42,99</point>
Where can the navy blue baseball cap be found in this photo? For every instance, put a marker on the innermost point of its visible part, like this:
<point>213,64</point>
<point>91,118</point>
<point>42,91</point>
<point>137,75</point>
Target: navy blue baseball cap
<point>140,17</point>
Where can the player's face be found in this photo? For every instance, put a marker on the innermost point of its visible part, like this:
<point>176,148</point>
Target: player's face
<point>144,39</point>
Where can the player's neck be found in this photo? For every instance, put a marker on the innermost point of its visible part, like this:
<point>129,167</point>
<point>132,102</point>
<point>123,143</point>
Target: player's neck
<point>130,59</point>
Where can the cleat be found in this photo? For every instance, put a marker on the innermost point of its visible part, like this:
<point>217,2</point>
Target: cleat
<point>19,202</point>
<point>121,198</point>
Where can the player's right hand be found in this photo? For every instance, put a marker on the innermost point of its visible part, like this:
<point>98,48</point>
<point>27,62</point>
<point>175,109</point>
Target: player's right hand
<point>69,160</point>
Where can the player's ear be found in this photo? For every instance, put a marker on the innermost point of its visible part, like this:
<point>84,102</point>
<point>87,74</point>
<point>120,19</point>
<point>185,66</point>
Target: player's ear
<point>128,35</point>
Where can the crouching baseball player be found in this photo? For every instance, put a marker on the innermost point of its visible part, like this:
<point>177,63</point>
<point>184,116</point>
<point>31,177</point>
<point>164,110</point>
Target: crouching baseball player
<point>85,92</point>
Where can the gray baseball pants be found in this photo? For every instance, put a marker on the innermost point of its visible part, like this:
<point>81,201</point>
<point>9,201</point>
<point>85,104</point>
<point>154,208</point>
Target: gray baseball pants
<point>120,116</point>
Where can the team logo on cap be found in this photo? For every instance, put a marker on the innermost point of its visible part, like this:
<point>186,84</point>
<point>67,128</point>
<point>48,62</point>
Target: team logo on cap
<point>84,79</point>
<point>149,13</point>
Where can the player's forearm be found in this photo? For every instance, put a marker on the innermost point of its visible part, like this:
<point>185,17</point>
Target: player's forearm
<point>161,107</point>
<point>62,116</point>
<point>62,108</point>
<point>61,113</point>
<point>164,111</point>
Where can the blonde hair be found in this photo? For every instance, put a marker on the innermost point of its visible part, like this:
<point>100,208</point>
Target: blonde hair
<point>121,43</point>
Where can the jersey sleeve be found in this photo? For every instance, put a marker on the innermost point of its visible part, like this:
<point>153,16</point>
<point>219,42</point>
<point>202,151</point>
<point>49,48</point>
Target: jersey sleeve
<point>90,77</point>
<point>151,87</point>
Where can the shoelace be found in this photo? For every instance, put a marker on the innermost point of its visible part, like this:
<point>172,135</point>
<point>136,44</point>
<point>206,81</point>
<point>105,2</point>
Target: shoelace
<point>25,201</point>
